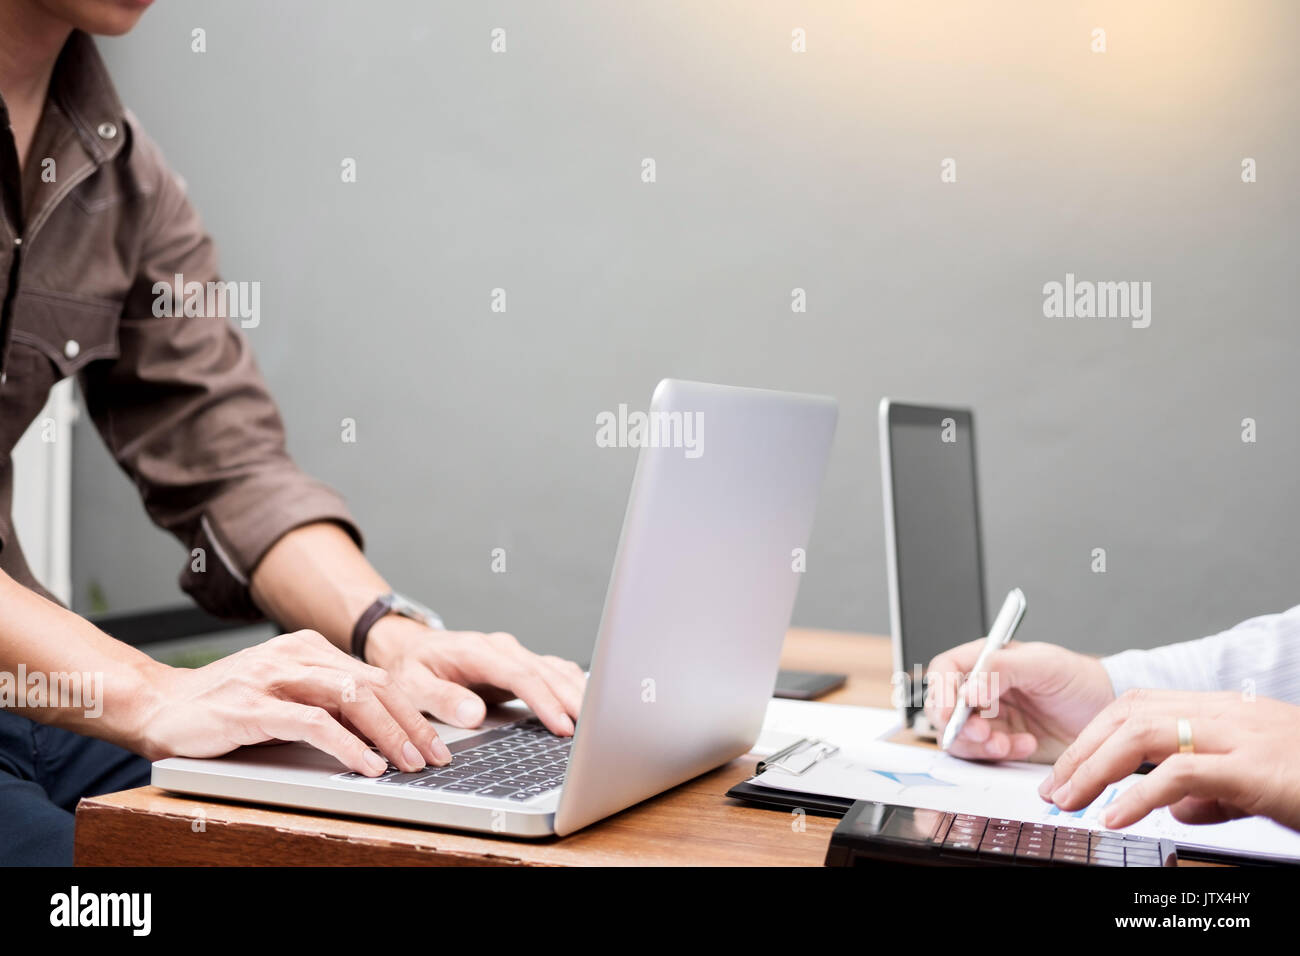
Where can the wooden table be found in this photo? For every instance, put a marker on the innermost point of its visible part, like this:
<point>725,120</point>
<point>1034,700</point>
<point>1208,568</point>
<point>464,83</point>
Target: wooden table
<point>693,824</point>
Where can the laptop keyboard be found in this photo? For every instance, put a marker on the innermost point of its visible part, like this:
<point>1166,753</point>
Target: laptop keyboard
<point>518,761</point>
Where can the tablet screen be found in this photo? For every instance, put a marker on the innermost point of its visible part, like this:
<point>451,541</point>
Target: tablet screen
<point>939,569</point>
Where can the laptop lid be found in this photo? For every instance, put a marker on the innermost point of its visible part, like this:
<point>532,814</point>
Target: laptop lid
<point>933,551</point>
<point>701,592</point>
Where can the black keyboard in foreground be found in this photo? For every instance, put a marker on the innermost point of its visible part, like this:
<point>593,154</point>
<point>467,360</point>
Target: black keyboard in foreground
<point>518,761</point>
<point>878,831</point>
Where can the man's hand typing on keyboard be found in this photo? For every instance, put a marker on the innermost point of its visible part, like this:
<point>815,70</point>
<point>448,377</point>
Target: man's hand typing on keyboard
<point>451,674</point>
<point>316,577</point>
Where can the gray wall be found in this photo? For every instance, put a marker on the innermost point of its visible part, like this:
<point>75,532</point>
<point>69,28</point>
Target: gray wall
<point>775,170</point>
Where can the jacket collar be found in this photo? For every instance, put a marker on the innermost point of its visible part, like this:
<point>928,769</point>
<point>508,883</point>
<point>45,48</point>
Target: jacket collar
<point>82,88</point>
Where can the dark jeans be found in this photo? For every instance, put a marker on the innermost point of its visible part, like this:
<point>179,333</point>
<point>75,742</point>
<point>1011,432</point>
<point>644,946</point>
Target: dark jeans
<point>44,771</point>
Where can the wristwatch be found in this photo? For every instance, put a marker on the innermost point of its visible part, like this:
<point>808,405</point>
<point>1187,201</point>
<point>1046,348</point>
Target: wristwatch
<point>391,603</point>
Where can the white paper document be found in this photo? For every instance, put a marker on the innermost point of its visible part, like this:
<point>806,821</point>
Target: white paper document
<point>789,721</point>
<point>919,777</point>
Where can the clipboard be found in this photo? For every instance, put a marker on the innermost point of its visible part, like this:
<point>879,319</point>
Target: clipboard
<point>799,757</point>
<point>795,759</point>
<point>766,798</point>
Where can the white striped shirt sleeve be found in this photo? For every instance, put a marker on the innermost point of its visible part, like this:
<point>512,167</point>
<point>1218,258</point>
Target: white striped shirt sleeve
<point>1260,656</point>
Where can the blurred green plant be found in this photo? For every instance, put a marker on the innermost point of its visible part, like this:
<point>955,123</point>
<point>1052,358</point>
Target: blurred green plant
<point>192,657</point>
<point>96,598</point>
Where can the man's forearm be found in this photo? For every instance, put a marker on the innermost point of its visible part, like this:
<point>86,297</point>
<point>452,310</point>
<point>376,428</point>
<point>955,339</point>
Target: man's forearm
<point>316,577</point>
<point>59,669</point>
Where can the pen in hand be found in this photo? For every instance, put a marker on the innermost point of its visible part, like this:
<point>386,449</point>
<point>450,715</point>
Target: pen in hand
<point>1004,628</point>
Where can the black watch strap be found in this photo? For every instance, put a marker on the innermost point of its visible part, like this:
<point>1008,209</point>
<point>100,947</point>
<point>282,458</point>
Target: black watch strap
<point>361,630</point>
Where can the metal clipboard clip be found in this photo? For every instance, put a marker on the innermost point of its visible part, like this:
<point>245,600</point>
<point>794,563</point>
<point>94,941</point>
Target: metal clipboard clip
<point>799,757</point>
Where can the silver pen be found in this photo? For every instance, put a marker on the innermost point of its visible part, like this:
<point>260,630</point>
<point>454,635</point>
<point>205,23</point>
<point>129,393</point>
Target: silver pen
<point>1004,628</point>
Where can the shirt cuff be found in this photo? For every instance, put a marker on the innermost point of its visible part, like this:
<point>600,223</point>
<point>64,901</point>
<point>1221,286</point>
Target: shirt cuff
<point>238,528</point>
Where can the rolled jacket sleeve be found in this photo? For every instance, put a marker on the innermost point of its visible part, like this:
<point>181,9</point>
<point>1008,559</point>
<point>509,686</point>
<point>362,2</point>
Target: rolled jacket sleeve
<point>186,413</point>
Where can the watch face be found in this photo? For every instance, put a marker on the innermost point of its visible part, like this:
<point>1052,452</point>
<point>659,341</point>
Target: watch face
<point>415,610</point>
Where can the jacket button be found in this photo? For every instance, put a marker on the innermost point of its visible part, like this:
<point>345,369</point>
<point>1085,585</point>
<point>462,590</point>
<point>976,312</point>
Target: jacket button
<point>72,349</point>
<point>107,130</point>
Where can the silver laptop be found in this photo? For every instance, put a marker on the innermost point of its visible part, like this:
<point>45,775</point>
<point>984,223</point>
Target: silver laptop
<point>699,600</point>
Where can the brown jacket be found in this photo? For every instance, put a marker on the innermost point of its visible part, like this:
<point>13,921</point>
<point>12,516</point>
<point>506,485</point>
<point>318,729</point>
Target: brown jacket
<point>178,400</point>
